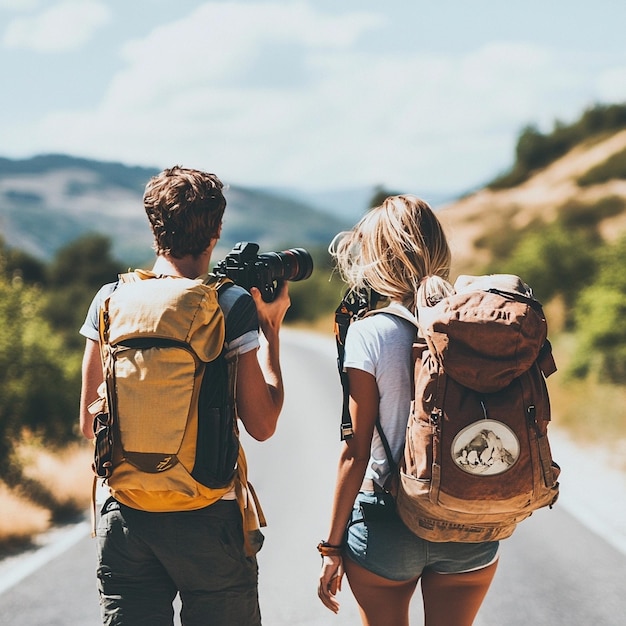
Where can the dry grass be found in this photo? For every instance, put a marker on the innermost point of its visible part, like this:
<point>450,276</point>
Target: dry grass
<point>65,474</point>
<point>590,411</point>
<point>469,219</point>
<point>56,487</point>
<point>593,413</point>
<point>21,519</point>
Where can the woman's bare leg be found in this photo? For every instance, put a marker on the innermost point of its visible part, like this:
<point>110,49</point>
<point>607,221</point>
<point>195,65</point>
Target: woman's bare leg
<point>382,602</point>
<point>454,599</point>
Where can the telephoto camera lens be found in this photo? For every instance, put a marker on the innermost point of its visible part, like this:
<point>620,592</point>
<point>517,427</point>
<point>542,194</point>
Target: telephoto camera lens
<point>293,264</point>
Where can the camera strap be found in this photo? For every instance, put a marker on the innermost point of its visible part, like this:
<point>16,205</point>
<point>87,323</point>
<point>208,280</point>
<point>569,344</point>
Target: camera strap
<point>353,306</point>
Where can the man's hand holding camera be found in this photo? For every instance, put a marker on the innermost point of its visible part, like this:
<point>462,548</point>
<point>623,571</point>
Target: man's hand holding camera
<point>265,276</point>
<point>271,314</point>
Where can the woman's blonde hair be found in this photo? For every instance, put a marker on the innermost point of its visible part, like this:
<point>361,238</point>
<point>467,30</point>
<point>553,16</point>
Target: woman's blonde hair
<point>392,249</point>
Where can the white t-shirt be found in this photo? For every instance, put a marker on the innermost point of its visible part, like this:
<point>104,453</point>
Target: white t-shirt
<point>381,345</point>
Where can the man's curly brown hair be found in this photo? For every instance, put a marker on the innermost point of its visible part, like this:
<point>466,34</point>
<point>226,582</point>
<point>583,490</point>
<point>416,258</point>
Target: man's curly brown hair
<point>185,209</point>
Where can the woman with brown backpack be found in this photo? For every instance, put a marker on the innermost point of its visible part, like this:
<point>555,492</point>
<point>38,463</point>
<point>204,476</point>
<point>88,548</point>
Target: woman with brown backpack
<point>393,250</point>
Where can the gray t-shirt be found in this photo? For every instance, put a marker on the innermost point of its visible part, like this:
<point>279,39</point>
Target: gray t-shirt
<point>381,345</point>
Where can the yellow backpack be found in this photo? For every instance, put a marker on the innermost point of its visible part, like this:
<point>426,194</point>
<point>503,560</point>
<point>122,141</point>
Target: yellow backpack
<point>166,432</point>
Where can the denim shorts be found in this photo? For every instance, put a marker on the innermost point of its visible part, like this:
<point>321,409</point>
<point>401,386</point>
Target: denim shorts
<point>378,540</point>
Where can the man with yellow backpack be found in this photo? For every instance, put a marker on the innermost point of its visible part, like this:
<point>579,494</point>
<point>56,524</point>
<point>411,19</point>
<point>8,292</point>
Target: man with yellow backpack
<point>170,368</point>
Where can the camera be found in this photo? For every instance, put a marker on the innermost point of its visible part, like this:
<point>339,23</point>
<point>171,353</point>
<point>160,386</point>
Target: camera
<point>245,267</point>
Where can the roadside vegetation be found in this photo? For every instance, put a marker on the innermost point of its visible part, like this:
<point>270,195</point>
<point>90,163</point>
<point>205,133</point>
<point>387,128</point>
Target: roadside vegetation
<point>45,472</point>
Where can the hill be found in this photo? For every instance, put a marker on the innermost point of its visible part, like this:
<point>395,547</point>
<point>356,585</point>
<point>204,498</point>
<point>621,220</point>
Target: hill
<point>585,186</point>
<point>49,200</point>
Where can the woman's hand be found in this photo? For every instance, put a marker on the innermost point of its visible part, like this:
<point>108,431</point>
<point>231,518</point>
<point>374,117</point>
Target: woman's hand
<point>330,581</point>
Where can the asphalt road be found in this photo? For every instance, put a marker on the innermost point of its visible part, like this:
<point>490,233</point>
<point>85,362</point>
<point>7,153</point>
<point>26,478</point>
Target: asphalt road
<point>553,571</point>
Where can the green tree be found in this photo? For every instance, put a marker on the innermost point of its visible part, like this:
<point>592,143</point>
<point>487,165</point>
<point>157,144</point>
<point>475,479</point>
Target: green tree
<point>535,149</point>
<point>86,261</point>
<point>531,150</point>
<point>600,313</point>
<point>380,194</point>
<point>19,263</point>
<point>317,296</point>
<point>555,261</point>
<point>38,377</point>
<point>76,273</point>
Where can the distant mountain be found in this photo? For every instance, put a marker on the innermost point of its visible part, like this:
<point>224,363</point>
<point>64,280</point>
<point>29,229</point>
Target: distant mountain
<point>50,200</point>
<point>346,204</point>
<point>351,204</point>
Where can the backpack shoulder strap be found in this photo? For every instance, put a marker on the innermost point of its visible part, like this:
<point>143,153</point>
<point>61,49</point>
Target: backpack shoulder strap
<point>402,312</point>
<point>219,282</point>
<point>397,310</point>
<point>135,276</point>
<point>381,433</point>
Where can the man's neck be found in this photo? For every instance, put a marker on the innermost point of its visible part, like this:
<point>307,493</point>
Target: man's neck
<point>187,266</point>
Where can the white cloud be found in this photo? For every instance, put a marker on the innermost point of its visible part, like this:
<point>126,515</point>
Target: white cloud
<point>285,94</point>
<point>221,44</point>
<point>64,26</point>
<point>18,5</point>
<point>612,84</point>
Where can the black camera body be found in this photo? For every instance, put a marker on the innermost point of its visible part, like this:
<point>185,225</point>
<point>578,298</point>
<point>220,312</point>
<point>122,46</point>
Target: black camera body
<point>245,267</point>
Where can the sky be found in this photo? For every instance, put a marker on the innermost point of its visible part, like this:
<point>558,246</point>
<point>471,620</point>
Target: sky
<point>311,94</point>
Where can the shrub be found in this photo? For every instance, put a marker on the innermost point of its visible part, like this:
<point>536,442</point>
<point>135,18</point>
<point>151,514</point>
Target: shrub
<point>555,262</point>
<point>599,316</point>
<point>575,215</point>
<point>614,167</point>
<point>39,379</point>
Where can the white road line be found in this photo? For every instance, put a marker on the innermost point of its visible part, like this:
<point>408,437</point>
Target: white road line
<point>23,567</point>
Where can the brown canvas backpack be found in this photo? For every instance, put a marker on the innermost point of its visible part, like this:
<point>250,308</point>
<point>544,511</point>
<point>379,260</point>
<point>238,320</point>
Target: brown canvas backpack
<point>476,458</point>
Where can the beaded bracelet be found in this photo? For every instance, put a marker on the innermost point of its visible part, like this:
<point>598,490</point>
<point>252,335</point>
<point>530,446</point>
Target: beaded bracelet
<point>327,549</point>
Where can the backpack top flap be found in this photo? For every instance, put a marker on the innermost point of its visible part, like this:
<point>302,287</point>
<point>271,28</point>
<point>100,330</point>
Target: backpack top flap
<point>168,307</point>
<point>486,334</point>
